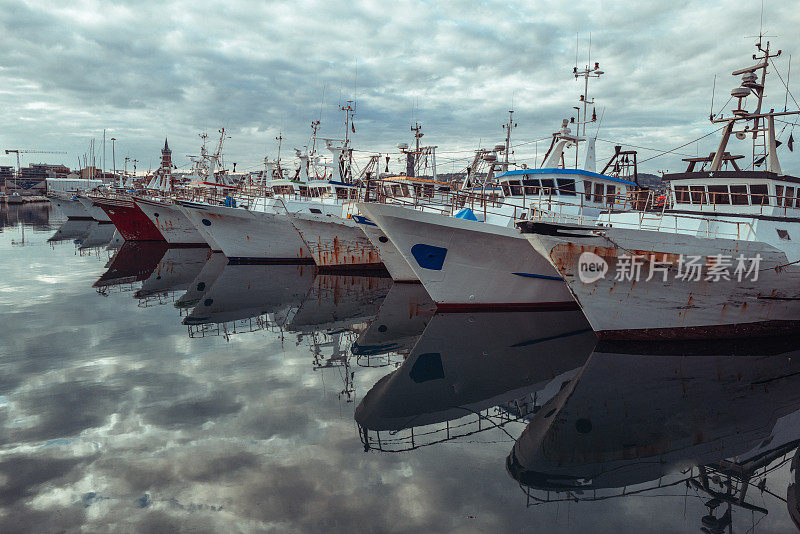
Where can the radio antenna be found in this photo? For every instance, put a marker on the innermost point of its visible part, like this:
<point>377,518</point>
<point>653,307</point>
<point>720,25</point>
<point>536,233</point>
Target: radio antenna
<point>713,89</point>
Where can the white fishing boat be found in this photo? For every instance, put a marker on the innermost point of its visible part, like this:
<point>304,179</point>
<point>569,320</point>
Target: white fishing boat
<point>68,205</point>
<point>719,259</point>
<point>255,225</point>
<point>350,241</point>
<point>94,211</point>
<point>476,258</point>
<point>176,228</point>
<point>161,209</point>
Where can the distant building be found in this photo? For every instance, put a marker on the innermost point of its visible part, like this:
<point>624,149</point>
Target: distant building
<point>6,173</point>
<point>34,176</point>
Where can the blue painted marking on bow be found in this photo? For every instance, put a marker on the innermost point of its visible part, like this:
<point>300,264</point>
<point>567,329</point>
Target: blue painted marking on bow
<point>428,256</point>
<point>360,219</point>
<point>542,276</point>
<point>467,214</point>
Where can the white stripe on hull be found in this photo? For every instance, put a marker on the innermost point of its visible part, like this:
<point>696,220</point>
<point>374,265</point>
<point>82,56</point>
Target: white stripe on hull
<point>394,262</point>
<point>173,224</point>
<point>333,241</point>
<point>677,308</point>
<point>483,264</point>
<point>248,235</point>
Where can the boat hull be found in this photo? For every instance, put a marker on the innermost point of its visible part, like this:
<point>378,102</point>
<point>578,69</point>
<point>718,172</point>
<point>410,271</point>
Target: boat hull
<point>171,221</point>
<point>70,207</point>
<point>94,211</point>
<point>469,265</point>
<point>249,236</point>
<point>668,307</point>
<point>130,221</point>
<point>392,260</point>
<point>335,242</point>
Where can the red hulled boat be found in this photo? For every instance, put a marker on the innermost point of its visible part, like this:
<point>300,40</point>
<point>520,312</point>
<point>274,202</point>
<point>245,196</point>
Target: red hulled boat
<point>130,220</point>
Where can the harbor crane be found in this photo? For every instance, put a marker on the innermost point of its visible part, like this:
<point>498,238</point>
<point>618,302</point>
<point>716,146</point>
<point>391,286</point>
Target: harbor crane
<point>19,151</point>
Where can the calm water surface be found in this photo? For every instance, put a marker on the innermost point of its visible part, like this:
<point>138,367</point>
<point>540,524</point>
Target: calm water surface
<point>145,389</point>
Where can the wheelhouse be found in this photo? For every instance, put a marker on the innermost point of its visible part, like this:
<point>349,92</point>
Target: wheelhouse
<point>569,186</point>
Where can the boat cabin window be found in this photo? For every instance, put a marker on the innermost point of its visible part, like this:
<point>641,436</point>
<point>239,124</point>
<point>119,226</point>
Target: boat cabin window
<point>788,199</point>
<point>698,194</point>
<point>785,195</point>
<point>548,185</point>
<point>758,194</point>
<point>611,191</point>
<point>718,194</point>
<point>682,194</point>
<point>797,199</point>
<point>283,189</point>
<point>427,191</point>
<point>598,192</point>
<point>739,195</point>
<point>531,186</point>
<point>341,193</point>
<point>303,191</point>
<point>566,186</point>
<point>516,188</point>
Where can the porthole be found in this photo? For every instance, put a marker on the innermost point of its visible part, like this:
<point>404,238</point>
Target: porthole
<point>208,302</point>
<point>156,215</point>
<point>584,426</point>
<point>382,328</point>
<point>206,222</point>
<point>383,239</point>
<point>201,286</point>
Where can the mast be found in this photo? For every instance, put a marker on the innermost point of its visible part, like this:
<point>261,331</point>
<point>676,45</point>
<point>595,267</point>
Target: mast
<point>763,133</point>
<point>508,127</point>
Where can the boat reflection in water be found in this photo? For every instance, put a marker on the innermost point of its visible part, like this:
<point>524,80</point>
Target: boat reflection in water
<point>97,238</point>
<point>133,262</point>
<point>401,319</point>
<point>245,298</point>
<point>176,269</point>
<point>336,302</point>
<point>203,281</point>
<point>630,423</point>
<point>473,372</point>
<point>336,309</point>
<point>72,230</point>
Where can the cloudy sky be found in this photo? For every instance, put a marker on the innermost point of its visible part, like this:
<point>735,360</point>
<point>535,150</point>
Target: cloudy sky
<point>146,70</point>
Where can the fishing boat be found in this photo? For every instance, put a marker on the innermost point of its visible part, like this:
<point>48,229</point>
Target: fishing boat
<point>350,240</point>
<point>254,225</point>
<point>475,259</point>
<point>131,222</point>
<point>162,211</point>
<point>718,259</point>
<point>68,205</point>
<point>94,211</point>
